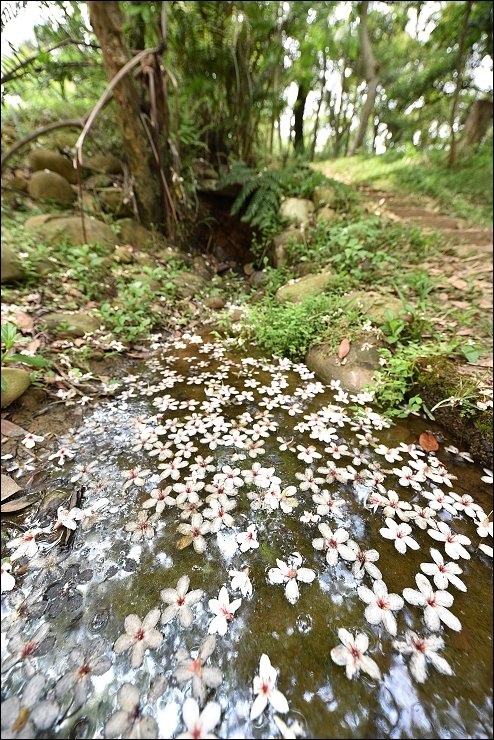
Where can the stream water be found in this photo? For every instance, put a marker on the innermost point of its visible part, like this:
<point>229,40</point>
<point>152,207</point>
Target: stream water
<point>204,465</point>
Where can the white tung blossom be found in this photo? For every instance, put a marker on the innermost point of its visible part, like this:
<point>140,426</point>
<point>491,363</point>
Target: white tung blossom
<point>265,688</point>
<point>289,573</point>
<point>423,650</point>
<point>434,603</point>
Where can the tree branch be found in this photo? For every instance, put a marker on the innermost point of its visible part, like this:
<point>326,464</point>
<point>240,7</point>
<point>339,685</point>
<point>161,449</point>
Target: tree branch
<point>68,123</point>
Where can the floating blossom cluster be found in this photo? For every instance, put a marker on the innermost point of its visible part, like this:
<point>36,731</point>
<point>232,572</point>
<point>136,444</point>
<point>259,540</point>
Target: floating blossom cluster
<point>198,467</point>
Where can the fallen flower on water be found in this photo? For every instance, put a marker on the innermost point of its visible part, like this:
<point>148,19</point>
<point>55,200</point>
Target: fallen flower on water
<point>351,654</point>
<point>423,650</point>
<point>265,688</point>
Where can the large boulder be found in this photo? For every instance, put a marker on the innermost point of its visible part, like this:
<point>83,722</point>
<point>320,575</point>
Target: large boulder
<point>297,211</point>
<point>49,186</point>
<point>325,195</point>
<point>295,291</point>
<point>17,381</point>
<point>133,233</point>
<point>71,324</point>
<point>68,229</point>
<point>44,159</point>
<point>354,372</point>
<point>112,200</point>
<point>375,305</point>
<point>11,267</point>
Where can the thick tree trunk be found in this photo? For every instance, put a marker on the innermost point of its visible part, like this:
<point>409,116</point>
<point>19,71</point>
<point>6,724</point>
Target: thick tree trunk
<point>476,125</point>
<point>298,119</point>
<point>106,21</point>
<point>371,70</point>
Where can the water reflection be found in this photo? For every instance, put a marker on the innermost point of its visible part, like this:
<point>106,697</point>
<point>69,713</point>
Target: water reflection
<point>263,442</point>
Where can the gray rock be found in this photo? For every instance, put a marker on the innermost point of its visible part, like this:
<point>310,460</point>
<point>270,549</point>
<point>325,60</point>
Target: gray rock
<point>310,285</point>
<point>325,195</point>
<point>326,214</point>
<point>281,241</point>
<point>17,381</point>
<point>296,211</point>
<point>49,186</point>
<point>354,372</point>
<point>188,284</point>
<point>68,324</point>
<point>44,159</point>
<point>11,267</point>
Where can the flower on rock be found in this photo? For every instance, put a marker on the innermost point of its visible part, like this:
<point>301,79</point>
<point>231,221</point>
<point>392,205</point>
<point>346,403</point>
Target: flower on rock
<point>334,544</point>
<point>265,688</point>
<point>380,605</point>
<point>351,654</point>
<point>434,603</point>
<point>25,545</point>
<point>193,669</point>
<point>180,601</point>
<point>199,725</point>
<point>129,721</point>
<point>423,650</point>
<point>443,573</point>
<point>83,664</point>
<point>193,533</point>
<point>400,533</point>
<point>139,636</point>
<point>142,527</point>
<point>290,573</point>
<point>223,611</point>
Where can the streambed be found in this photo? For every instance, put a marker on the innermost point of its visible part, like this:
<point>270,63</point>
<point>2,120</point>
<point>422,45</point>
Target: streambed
<point>207,464</point>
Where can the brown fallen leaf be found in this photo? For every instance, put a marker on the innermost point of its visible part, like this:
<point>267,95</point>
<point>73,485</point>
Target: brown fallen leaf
<point>12,506</point>
<point>343,349</point>
<point>24,322</point>
<point>9,429</point>
<point>33,346</point>
<point>9,487</point>
<point>428,442</point>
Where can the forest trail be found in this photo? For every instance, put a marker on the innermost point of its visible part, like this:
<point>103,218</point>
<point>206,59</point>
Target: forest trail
<point>461,266</point>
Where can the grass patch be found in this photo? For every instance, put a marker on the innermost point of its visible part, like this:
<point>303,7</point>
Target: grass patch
<point>464,191</point>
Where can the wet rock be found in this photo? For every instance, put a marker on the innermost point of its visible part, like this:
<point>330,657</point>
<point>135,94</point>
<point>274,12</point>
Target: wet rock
<point>50,186</point>
<point>44,159</point>
<point>375,305</point>
<point>17,381</point>
<point>11,266</point>
<point>52,500</point>
<point>296,211</point>
<point>325,195</point>
<point>68,229</point>
<point>71,324</point>
<point>354,372</point>
<point>297,290</point>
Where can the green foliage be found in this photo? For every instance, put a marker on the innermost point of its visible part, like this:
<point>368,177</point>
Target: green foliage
<point>10,337</point>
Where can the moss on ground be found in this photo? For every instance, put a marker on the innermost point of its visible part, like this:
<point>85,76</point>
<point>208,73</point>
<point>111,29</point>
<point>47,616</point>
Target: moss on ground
<point>437,379</point>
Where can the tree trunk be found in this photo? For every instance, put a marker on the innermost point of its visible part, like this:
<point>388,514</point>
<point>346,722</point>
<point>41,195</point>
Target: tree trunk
<point>106,21</point>
<point>459,81</point>
<point>298,119</point>
<point>319,104</point>
<point>371,70</point>
<point>476,125</point>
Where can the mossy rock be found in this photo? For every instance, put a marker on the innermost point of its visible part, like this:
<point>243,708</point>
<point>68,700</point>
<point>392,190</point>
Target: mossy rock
<point>297,211</point>
<point>17,382</point>
<point>106,163</point>
<point>44,159</point>
<point>281,241</point>
<point>68,229</point>
<point>187,284</point>
<point>325,195</point>
<point>354,372</point>
<point>374,304</point>
<point>437,379</point>
<point>326,214</point>
<point>12,270</point>
<point>295,291</point>
<point>133,233</point>
<point>50,186</point>
<point>67,324</point>
<point>112,201</point>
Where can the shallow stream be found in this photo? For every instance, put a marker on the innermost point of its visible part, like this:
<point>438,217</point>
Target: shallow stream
<point>222,437</point>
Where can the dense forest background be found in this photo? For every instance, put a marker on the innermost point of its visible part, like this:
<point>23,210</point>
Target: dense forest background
<point>257,82</point>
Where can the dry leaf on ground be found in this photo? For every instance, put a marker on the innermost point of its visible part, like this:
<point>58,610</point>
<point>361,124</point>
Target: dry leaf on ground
<point>343,349</point>
<point>428,442</point>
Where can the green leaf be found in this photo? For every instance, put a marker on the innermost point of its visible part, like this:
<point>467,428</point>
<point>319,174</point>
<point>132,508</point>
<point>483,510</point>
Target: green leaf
<point>29,360</point>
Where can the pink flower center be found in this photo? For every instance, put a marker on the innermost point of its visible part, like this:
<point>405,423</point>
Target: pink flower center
<point>355,653</point>
<point>292,573</point>
<point>265,688</point>
<point>382,603</point>
<point>139,635</point>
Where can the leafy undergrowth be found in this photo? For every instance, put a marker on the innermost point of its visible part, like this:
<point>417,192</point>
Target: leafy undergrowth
<point>465,190</point>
